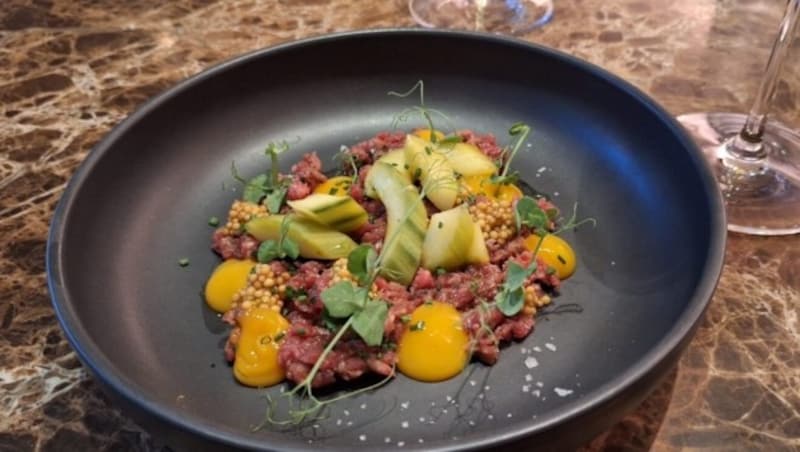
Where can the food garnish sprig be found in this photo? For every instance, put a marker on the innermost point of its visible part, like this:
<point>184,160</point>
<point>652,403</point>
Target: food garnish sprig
<point>269,188</point>
<point>425,112</point>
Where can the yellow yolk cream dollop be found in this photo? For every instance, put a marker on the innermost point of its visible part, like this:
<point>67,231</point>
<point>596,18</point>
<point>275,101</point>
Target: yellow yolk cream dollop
<point>228,278</point>
<point>434,346</point>
<point>555,252</point>
<point>256,361</point>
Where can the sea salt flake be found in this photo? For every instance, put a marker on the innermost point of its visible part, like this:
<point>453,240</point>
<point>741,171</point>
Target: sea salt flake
<point>537,393</point>
<point>404,424</point>
<point>563,392</point>
<point>338,422</point>
<point>523,350</point>
<point>540,384</point>
<point>349,423</point>
<point>551,347</point>
<point>526,388</point>
<point>531,362</point>
<point>401,443</point>
<point>480,396</point>
<point>542,169</point>
<point>471,423</point>
<point>346,413</point>
<point>490,417</point>
<point>362,437</point>
<point>537,349</point>
<point>420,440</point>
<point>509,415</point>
<point>422,419</point>
<point>528,377</point>
<point>363,406</point>
<point>387,440</point>
<point>472,382</point>
<point>404,405</point>
<point>487,387</point>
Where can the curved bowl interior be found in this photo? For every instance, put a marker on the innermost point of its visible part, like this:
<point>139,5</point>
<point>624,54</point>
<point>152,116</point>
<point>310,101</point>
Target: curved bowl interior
<point>143,198</point>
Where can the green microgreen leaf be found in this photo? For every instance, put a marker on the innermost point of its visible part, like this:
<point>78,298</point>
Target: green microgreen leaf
<point>268,251</point>
<point>510,303</point>
<point>290,248</point>
<point>343,299</point>
<point>515,276</point>
<point>528,213</point>
<point>368,322</point>
<point>255,189</point>
<point>274,198</point>
<point>361,262</point>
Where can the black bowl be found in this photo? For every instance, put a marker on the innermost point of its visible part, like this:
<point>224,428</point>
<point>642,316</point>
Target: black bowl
<point>142,198</point>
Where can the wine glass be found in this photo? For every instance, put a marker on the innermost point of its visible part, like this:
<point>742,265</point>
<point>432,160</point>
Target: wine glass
<point>498,16</point>
<point>757,163</point>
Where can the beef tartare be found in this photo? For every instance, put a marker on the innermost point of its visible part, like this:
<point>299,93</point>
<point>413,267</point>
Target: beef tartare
<point>420,253</point>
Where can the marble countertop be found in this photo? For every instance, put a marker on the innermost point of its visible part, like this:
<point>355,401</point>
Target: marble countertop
<point>70,70</point>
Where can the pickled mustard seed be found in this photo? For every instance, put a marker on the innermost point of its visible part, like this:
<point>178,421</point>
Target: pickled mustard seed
<point>183,262</point>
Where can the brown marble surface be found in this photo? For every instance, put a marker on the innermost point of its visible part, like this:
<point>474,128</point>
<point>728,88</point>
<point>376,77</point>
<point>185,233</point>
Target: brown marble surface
<point>69,70</point>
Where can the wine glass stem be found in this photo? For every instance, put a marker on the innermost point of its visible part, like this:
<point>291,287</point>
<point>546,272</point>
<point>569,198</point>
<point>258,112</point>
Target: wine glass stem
<point>748,144</point>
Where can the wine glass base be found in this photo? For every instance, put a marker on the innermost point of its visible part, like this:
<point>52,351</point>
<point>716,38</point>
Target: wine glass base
<point>761,197</point>
<point>496,16</point>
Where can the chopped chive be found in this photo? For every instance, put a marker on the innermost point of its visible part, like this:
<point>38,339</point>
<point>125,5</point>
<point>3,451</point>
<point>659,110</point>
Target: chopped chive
<point>405,319</point>
<point>440,225</point>
<point>183,262</point>
<point>561,259</point>
<point>213,221</point>
<point>279,336</point>
<point>419,326</point>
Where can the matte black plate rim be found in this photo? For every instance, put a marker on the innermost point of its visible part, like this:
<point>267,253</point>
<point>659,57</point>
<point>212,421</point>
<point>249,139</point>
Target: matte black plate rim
<point>91,356</point>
